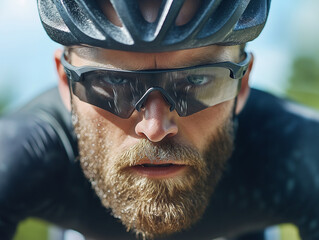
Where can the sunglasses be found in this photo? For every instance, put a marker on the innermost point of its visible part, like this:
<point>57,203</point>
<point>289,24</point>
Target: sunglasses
<point>186,90</point>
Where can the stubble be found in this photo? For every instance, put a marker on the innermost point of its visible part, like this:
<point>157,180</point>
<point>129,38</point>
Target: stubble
<point>151,207</point>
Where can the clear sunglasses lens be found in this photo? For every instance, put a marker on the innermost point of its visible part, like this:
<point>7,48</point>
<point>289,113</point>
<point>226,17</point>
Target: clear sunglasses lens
<point>106,91</point>
<point>192,90</point>
<point>196,89</point>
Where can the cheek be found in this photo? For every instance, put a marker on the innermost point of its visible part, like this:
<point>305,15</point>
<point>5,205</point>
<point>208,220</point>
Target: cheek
<point>202,126</point>
<point>108,126</point>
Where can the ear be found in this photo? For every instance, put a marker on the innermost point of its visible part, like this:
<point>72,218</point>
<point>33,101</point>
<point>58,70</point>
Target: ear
<point>63,81</point>
<point>245,89</point>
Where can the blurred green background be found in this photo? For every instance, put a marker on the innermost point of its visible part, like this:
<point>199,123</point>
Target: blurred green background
<point>287,64</point>
<point>33,229</point>
<point>303,85</point>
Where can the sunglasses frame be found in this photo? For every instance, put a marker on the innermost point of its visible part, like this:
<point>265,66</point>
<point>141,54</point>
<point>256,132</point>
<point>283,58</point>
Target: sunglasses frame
<point>237,71</point>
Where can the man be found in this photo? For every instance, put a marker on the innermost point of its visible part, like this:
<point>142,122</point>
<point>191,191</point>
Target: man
<point>155,89</point>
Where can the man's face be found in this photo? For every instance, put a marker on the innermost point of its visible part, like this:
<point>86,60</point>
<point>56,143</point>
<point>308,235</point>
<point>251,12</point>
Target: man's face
<point>155,170</point>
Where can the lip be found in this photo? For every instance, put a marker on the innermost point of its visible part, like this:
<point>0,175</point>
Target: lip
<point>159,169</point>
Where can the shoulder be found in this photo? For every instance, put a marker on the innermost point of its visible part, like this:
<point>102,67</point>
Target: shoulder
<point>269,120</point>
<point>278,146</point>
<point>262,106</point>
<point>44,122</point>
<point>34,159</point>
<point>39,174</point>
<point>281,134</point>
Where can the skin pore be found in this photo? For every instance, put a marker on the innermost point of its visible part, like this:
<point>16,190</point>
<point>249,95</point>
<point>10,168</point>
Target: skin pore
<point>114,151</point>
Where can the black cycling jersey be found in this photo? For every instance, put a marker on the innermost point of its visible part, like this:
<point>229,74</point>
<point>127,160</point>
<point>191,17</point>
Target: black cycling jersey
<point>271,178</point>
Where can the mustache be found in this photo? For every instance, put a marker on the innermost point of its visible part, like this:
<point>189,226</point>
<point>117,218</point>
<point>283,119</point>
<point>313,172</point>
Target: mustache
<point>161,152</point>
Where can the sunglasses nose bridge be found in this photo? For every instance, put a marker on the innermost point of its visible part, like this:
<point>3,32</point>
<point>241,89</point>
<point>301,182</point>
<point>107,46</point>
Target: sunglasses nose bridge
<point>140,103</point>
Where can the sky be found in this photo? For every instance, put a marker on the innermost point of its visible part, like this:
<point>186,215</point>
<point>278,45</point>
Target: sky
<point>27,66</point>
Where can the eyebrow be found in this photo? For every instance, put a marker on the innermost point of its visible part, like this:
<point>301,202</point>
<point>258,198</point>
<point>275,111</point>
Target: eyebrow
<point>189,63</point>
<point>206,59</point>
<point>203,59</point>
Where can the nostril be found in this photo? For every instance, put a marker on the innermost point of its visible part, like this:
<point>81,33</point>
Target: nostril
<point>142,135</point>
<point>171,135</point>
<point>156,126</point>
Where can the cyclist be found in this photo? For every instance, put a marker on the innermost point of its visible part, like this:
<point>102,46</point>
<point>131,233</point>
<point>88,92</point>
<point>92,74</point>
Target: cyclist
<point>155,137</point>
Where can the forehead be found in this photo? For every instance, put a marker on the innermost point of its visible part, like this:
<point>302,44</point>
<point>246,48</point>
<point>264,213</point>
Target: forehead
<point>139,61</point>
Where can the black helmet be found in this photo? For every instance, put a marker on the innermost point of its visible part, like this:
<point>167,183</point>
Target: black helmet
<point>221,22</point>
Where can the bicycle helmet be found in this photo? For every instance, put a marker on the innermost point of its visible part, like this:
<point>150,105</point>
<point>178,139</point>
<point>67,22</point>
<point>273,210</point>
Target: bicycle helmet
<point>220,22</point>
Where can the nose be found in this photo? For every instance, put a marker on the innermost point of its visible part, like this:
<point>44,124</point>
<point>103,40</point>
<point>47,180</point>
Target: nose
<point>157,121</point>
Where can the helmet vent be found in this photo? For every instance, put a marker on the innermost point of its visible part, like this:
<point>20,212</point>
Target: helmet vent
<point>109,12</point>
<point>254,15</point>
<point>167,17</point>
<point>51,16</point>
<point>187,12</point>
<point>129,25</point>
<point>150,9</point>
<point>222,21</point>
<point>82,20</point>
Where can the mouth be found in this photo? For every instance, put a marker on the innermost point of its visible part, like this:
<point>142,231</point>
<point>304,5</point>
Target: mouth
<point>158,170</point>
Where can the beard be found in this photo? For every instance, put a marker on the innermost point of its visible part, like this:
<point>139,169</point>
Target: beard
<point>151,207</point>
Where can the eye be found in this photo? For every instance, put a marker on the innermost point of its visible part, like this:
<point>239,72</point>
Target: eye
<point>197,79</point>
<point>115,79</point>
